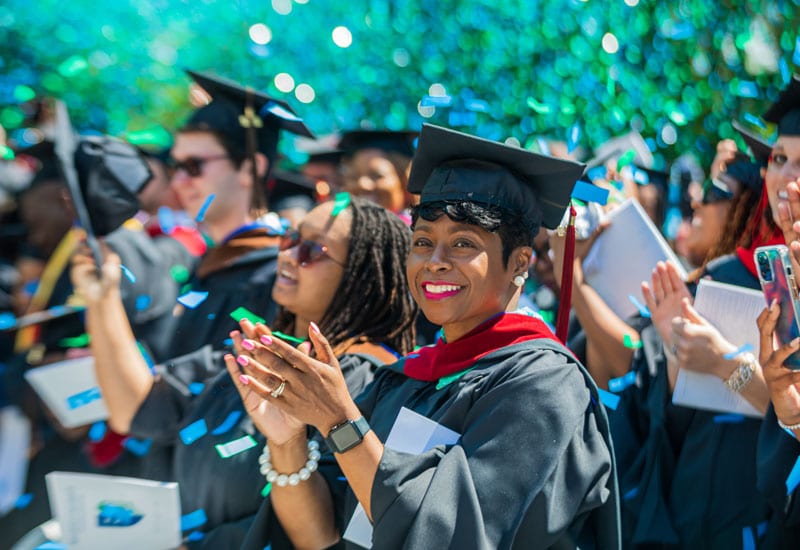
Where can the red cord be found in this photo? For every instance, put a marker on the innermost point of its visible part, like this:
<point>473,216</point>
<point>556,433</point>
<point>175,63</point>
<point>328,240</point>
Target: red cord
<point>562,321</point>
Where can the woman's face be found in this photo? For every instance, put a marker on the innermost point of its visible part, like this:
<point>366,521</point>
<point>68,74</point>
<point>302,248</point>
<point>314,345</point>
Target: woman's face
<point>370,175</point>
<point>708,222</point>
<point>457,275</point>
<point>307,291</point>
<point>783,168</point>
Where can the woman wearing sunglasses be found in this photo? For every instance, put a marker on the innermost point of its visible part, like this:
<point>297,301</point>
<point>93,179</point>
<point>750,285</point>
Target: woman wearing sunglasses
<point>342,271</point>
<point>497,438</point>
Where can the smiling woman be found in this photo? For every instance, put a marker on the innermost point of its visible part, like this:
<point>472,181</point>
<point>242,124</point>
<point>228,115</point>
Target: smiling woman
<point>527,460</point>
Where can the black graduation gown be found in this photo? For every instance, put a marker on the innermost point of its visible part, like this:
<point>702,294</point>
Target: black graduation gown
<point>243,279</point>
<point>533,468</point>
<point>227,489</point>
<point>687,477</point>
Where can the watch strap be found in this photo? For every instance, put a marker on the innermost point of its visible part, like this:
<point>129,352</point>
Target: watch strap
<point>361,427</point>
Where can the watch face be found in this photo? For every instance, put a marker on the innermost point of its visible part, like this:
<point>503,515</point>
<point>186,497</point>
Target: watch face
<point>345,436</point>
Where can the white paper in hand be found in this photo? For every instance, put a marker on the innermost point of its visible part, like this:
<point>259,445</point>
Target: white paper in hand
<point>15,441</point>
<point>624,255</point>
<point>411,433</point>
<point>69,389</point>
<point>97,511</point>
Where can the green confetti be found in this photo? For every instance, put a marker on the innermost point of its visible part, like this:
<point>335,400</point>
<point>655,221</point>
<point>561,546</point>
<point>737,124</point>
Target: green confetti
<point>626,159</point>
<point>340,202</point>
<point>288,338</point>
<point>265,491</point>
<point>179,273</point>
<point>75,342</point>
<point>628,342</point>
<point>243,313</point>
<point>447,380</point>
<point>541,108</point>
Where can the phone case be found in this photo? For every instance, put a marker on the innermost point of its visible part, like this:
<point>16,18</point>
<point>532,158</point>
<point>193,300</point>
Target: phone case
<point>778,283</point>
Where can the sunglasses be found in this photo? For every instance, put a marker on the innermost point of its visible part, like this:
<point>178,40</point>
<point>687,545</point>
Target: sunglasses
<point>308,252</point>
<point>193,166</point>
<point>715,191</point>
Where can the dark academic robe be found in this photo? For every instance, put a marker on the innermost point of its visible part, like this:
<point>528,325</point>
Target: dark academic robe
<point>687,477</point>
<point>237,273</point>
<point>533,467</point>
<point>227,489</point>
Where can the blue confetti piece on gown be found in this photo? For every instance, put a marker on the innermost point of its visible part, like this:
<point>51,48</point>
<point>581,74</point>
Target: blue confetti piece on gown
<point>166,220</point>
<point>227,425</point>
<point>193,298</point>
<point>761,528</point>
<point>193,520</point>
<point>731,418</point>
<point>737,352</point>
<point>51,546</point>
<point>97,431</point>
<point>211,316</point>
<point>194,536</point>
<point>196,388</point>
<point>631,494</point>
<point>643,311</point>
<point>201,214</point>
<point>590,193</point>
<point>23,501</point>
<point>128,273</point>
<point>616,385</point>
<point>228,341</point>
<point>142,302</point>
<point>7,320</point>
<point>748,539</point>
<point>139,447</point>
<point>193,432</point>
<point>608,399</point>
<point>794,478</point>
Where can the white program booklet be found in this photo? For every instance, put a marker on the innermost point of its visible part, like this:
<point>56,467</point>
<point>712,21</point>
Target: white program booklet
<point>733,311</point>
<point>69,389</point>
<point>624,255</point>
<point>98,511</point>
<point>411,433</point>
<point>15,442</point>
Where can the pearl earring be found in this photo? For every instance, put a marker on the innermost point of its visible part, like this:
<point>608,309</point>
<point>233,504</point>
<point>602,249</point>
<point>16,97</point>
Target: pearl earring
<point>519,280</point>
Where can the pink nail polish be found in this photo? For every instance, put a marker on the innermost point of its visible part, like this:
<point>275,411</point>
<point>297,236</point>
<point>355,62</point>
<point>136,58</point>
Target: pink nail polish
<point>248,345</point>
<point>243,379</point>
<point>266,340</point>
<point>242,360</point>
<point>314,327</point>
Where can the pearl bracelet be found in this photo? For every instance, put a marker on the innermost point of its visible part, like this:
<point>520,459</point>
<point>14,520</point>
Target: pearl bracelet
<point>790,427</point>
<point>282,480</point>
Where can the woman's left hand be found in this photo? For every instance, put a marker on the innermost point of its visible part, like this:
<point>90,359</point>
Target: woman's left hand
<point>788,215</point>
<point>698,345</point>
<point>783,383</point>
<point>315,391</point>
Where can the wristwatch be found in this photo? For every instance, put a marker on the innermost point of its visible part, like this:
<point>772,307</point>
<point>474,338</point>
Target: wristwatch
<point>347,435</point>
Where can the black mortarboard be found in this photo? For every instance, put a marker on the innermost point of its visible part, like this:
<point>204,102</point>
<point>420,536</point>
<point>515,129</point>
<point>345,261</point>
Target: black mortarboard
<point>324,149</point>
<point>401,141</point>
<point>536,186</point>
<point>618,146</point>
<point>759,147</point>
<point>785,112</point>
<point>745,171</point>
<point>290,190</point>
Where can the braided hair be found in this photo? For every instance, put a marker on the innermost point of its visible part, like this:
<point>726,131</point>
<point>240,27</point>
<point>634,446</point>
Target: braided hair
<point>373,302</point>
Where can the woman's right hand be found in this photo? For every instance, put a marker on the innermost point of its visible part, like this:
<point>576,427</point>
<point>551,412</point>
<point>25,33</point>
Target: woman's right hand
<point>783,383</point>
<point>86,280</point>
<point>276,425</point>
<point>663,297</point>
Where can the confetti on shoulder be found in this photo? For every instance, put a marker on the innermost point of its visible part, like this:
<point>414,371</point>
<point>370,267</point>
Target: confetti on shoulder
<point>192,299</point>
<point>201,214</point>
<point>128,273</point>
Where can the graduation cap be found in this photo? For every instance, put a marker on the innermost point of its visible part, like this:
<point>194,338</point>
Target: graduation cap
<point>325,149</point>
<point>250,120</point>
<point>618,146</point>
<point>290,190</point>
<point>536,186</point>
<point>759,147</point>
<point>390,141</point>
<point>785,112</point>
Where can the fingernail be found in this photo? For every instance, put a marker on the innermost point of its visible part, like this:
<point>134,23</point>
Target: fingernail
<point>233,333</point>
<point>314,327</point>
<point>242,360</point>
<point>248,345</point>
<point>266,340</point>
<point>243,379</point>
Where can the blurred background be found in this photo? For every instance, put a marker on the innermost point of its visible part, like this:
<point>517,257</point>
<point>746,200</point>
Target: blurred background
<point>519,71</point>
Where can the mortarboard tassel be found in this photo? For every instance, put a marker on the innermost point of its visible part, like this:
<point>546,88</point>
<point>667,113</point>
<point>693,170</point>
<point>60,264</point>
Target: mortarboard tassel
<point>562,321</point>
<point>250,121</point>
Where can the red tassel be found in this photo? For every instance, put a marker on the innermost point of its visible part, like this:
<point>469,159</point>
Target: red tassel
<point>562,321</point>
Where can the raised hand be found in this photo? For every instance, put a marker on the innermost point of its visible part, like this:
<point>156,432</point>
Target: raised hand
<point>698,345</point>
<point>664,297</point>
<point>86,280</point>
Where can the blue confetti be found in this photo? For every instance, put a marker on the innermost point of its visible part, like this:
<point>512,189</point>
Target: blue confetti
<point>203,209</point>
<point>228,342</point>
<point>589,193</point>
<point>639,176</point>
<point>477,105</point>
<point>618,384</point>
<point>748,539</point>
<point>341,478</point>
<point>7,320</point>
<point>192,299</point>
<point>737,352</point>
<point>211,316</point>
<point>796,54</point>
<point>193,520</point>
<point>128,273</point>
<point>761,528</point>
<point>142,302</point>
<point>166,220</point>
<point>83,398</point>
<point>754,120</point>
<point>193,432</point>
<point>786,74</point>
<point>139,447</point>
<point>194,536</point>
<point>51,546</point>
<point>23,501</point>
<point>747,88</point>
<point>544,148</point>
<point>596,173</point>
<point>573,135</point>
<point>31,287</point>
<point>631,494</point>
<point>731,418</point>
<point>643,311</point>
<point>97,431</point>
<point>608,399</point>
<point>196,388</point>
<point>794,478</point>
<point>227,424</point>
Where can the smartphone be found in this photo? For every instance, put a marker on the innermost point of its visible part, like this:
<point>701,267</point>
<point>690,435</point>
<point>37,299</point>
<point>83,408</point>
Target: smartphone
<point>778,283</point>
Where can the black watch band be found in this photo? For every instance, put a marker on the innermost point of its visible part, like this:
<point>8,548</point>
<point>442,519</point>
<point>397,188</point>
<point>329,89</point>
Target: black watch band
<point>347,435</point>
